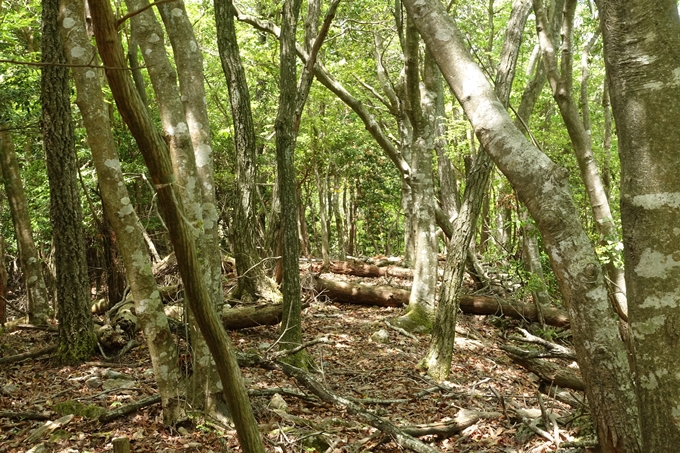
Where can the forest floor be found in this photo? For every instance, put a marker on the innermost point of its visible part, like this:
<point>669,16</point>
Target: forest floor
<point>353,363</point>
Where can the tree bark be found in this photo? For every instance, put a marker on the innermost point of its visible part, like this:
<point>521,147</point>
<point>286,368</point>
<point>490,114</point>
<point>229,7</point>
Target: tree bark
<point>146,29</point>
<point>38,299</point>
<point>76,333</point>
<point>123,219</point>
<point>437,361</point>
<point>156,156</point>
<point>544,188</point>
<point>640,42</point>
<point>253,281</point>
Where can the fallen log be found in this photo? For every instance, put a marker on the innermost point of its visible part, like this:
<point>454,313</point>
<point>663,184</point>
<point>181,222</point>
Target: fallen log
<point>129,408</point>
<point>547,371</point>
<point>387,296</point>
<point>361,269</point>
<point>28,355</point>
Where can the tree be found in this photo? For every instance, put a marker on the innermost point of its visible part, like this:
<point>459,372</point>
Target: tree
<point>38,299</point>
<point>76,333</point>
<point>640,42</point>
<point>156,156</point>
<point>543,187</point>
<point>121,215</point>
<point>253,282</point>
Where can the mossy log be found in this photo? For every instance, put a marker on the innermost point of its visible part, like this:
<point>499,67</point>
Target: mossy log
<point>387,296</point>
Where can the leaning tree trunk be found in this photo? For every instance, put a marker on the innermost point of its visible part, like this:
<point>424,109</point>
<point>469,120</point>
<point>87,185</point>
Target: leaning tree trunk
<point>641,39</point>
<point>123,219</point>
<point>437,362</point>
<point>146,29</point>
<point>156,156</point>
<point>76,332</point>
<point>544,188</point>
<point>38,299</point>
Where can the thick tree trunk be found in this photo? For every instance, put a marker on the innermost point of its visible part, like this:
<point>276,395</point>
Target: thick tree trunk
<point>420,311</point>
<point>543,187</point>
<point>641,39</point>
<point>123,219</point>
<point>76,333</point>
<point>38,299</point>
<point>156,156</point>
<point>291,325</point>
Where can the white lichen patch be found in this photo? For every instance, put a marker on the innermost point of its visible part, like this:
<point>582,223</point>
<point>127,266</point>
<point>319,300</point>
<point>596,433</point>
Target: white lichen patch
<point>77,52</point>
<point>182,128</point>
<point>661,200</point>
<point>193,46</point>
<point>90,74</point>
<point>649,381</point>
<point>32,279</point>
<point>140,262</point>
<point>177,12</point>
<point>666,300</point>
<point>148,51</point>
<point>127,209</point>
<point>129,229</point>
<point>203,155</point>
<point>32,260</point>
<point>641,329</point>
<point>154,38</point>
<point>69,23</point>
<point>113,164</point>
<point>655,264</point>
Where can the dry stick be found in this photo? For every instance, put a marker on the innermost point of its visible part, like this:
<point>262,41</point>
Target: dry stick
<point>129,408</point>
<point>400,437</point>
<point>23,415</point>
<point>28,355</point>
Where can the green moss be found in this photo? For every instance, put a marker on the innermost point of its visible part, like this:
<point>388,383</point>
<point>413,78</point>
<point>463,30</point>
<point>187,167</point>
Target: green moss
<point>77,351</point>
<point>417,320</point>
<point>82,410</point>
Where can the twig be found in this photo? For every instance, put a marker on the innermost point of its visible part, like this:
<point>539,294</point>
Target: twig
<point>28,355</point>
<point>295,350</point>
<point>23,415</point>
<point>127,409</point>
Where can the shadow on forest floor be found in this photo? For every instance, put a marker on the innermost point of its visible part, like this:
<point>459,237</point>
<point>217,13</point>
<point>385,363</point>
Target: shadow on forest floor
<point>351,364</point>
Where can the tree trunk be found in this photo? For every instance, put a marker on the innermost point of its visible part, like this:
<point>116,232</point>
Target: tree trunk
<point>253,281</point>
<point>561,83</point>
<point>437,362</point>
<point>543,187</point>
<point>641,39</point>
<point>38,299</point>
<point>76,333</point>
<point>291,325</point>
<point>156,156</point>
<point>146,29</point>
<point>123,219</point>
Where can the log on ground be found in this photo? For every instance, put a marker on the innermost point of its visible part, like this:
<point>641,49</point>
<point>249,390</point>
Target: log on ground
<point>387,296</point>
<point>548,371</point>
<point>361,269</point>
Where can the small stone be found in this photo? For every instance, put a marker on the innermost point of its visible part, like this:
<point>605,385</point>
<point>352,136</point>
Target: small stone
<point>94,382</point>
<point>278,403</point>
<point>381,336</point>
<point>118,384</point>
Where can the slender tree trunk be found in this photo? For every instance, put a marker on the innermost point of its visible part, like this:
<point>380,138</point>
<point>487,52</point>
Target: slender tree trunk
<point>76,333</point>
<point>321,190</point>
<point>543,187</point>
<point>438,359</point>
<point>189,61</point>
<point>561,83</point>
<point>291,324</point>
<point>253,282</point>
<point>38,299</point>
<point>156,156</point>
<point>339,219</point>
<point>123,219</point>
<point>641,39</point>
<point>147,31</point>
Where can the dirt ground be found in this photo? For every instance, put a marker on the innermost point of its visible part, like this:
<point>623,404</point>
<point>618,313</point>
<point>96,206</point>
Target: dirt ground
<point>353,363</point>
